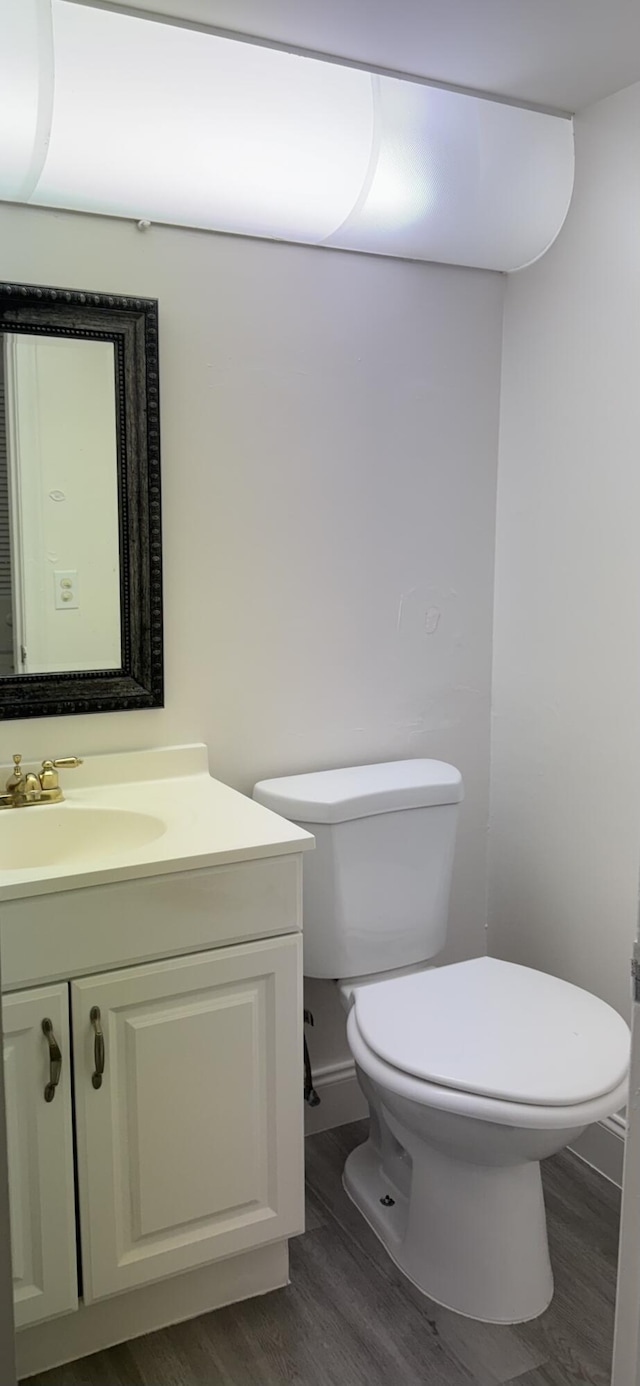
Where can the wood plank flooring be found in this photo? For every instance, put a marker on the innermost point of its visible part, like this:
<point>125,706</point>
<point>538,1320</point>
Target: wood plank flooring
<point>349,1318</point>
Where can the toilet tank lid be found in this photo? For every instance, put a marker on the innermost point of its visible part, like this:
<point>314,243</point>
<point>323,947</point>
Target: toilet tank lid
<point>360,791</point>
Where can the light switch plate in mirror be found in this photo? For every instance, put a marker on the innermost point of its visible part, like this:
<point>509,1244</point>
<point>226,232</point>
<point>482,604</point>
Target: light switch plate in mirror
<point>80,519</point>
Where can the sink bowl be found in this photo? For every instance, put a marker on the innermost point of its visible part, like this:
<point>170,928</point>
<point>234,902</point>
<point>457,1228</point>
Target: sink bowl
<point>55,834</point>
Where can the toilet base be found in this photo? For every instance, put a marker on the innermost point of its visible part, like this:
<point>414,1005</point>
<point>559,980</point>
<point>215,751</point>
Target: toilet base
<point>471,1238</point>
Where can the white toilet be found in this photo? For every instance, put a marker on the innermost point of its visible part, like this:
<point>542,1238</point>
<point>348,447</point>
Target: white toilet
<point>474,1072</point>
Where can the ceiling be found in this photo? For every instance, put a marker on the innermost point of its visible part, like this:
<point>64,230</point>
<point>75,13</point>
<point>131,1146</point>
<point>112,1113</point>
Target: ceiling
<point>562,54</point>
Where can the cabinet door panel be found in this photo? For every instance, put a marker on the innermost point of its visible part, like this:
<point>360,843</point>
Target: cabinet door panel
<point>40,1157</point>
<point>192,1147</point>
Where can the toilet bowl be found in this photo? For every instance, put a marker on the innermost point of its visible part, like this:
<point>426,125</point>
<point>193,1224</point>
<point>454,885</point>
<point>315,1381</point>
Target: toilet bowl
<point>474,1072</point>
<point>449,1177</point>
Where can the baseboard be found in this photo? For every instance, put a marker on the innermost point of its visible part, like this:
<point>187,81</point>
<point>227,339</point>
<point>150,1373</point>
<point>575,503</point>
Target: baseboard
<point>602,1147</point>
<point>340,1098</point>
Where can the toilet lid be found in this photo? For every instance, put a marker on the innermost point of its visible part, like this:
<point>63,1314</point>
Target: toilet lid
<point>496,1029</point>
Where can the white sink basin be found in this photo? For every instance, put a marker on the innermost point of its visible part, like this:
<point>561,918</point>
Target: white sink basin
<point>135,814</point>
<point>59,834</point>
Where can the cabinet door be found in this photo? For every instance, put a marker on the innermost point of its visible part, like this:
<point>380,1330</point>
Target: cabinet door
<point>190,1148</point>
<point>40,1154</point>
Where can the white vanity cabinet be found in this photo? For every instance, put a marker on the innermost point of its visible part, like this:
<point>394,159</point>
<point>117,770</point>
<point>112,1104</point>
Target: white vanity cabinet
<point>191,1147</point>
<point>187,1080</point>
<point>164,1175</point>
<point>40,1153</point>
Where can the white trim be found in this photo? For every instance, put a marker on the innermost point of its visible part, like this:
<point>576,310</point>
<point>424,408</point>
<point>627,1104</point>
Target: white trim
<point>106,1322</point>
<point>15,452</point>
<point>341,1099</point>
<point>602,1147</point>
<point>626,1339</point>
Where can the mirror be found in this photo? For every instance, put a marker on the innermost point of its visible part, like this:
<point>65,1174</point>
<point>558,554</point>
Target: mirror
<point>59,541</point>
<point>80,538</point>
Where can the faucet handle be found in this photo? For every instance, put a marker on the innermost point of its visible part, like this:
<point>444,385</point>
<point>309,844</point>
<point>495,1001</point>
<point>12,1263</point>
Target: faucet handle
<point>16,776</point>
<point>48,775</point>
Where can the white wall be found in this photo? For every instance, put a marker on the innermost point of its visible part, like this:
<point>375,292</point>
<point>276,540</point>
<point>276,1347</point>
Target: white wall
<point>329,443</point>
<point>565,839</point>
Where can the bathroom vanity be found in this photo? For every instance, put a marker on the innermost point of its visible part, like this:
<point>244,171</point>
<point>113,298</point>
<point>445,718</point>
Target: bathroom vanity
<point>152,1008</point>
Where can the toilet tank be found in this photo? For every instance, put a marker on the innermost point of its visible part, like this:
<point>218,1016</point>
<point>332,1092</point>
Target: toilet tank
<point>376,889</point>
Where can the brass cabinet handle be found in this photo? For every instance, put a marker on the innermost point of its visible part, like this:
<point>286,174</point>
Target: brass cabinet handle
<point>55,1060</point>
<point>98,1047</point>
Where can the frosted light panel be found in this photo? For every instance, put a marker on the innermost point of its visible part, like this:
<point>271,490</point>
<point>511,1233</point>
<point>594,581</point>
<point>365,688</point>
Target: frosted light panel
<point>110,113</point>
<point>174,125</point>
<point>26,74</point>
<point>459,179</point>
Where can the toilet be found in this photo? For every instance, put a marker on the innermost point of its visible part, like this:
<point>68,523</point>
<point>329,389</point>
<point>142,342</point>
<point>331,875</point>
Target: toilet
<point>474,1071</point>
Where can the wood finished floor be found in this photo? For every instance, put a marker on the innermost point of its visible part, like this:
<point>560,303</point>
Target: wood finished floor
<point>349,1318</point>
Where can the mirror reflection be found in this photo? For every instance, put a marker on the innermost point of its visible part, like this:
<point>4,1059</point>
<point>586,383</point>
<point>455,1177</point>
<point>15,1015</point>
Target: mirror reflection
<point>60,603</point>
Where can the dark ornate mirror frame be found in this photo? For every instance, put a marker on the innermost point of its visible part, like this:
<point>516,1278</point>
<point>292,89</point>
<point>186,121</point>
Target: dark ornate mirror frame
<point>131,324</point>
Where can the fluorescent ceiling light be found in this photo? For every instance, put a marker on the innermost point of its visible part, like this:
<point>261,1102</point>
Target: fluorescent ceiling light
<point>106,112</point>
<point>26,77</point>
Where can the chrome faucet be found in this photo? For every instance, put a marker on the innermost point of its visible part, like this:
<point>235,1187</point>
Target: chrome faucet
<point>23,790</point>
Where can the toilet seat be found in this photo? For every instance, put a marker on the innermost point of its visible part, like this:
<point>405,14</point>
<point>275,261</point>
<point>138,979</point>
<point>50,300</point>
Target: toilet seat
<point>504,1033</point>
<point>528,1116</point>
